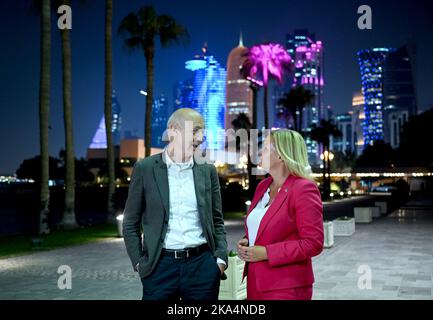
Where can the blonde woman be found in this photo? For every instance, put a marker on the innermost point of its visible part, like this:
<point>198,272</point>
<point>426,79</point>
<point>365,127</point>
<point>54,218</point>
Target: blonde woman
<point>284,225</point>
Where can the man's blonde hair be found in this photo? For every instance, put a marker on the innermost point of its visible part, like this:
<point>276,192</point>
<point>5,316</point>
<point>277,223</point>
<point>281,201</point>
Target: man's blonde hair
<point>291,147</point>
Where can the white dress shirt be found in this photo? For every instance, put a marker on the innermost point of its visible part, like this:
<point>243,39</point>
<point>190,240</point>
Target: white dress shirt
<point>256,216</point>
<point>184,227</point>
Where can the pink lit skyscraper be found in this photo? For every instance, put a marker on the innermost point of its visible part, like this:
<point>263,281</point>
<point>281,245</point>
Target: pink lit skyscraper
<point>307,54</point>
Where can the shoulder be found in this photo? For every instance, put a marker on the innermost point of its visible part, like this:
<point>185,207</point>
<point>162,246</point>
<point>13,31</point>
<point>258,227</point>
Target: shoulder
<point>149,161</point>
<point>211,168</point>
<point>301,184</point>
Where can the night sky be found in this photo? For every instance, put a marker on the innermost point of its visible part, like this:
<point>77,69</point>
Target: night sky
<point>216,22</point>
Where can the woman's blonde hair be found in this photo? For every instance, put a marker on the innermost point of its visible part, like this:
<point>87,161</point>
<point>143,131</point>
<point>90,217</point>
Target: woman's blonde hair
<point>290,146</point>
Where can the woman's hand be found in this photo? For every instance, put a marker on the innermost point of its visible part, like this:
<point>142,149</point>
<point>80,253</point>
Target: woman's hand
<point>251,254</point>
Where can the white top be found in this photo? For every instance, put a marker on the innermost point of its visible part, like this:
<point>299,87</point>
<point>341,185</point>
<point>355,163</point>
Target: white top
<point>256,216</point>
<point>184,228</point>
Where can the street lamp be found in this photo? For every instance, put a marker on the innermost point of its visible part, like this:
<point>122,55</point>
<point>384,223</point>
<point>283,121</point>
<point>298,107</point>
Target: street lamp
<point>119,219</point>
<point>144,93</point>
<point>327,157</point>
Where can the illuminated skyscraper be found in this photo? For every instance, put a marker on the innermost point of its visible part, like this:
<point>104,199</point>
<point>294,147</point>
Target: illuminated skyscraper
<point>159,121</point>
<point>389,92</point>
<point>184,94</point>
<point>358,117</point>
<point>209,96</point>
<point>307,54</point>
<point>99,140</point>
<point>239,96</point>
<point>371,63</point>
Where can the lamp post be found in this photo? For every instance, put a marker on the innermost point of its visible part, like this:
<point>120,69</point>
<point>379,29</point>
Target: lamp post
<point>327,157</point>
<point>119,219</point>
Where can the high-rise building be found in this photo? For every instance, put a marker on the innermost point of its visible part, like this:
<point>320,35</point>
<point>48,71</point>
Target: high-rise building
<point>239,96</point>
<point>98,145</point>
<point>184,94</point>
<point>307,54</point>
<point>389,91</point>
<point>371,63</point>
<point>399,99</point>
<point>209,96</point>
<point>159,121</point>
<point>343,123</point>
<point>358,117</point>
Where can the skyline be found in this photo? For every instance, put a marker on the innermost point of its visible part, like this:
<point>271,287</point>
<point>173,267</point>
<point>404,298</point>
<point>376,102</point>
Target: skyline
<point>337,30</point>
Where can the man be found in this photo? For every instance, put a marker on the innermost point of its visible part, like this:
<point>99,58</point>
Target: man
<point>177,203</point>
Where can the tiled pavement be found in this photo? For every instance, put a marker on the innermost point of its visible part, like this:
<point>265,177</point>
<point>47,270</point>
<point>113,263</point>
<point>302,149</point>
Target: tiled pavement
<point>398,251</point>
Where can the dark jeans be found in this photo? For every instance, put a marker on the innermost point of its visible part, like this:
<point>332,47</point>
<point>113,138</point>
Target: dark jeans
<point>194,278</point>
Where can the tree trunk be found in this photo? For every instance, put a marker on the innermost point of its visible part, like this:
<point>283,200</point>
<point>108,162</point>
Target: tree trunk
<point>328,168</point>
<point>301,111</point>
<point>265,107</point>
<point>325,181</point>
<point>149,53</point>
<point>69,220</point>
<point>295,119</point>
<point>108,114</point>
<point>252,181</point>
<point>44,110</point>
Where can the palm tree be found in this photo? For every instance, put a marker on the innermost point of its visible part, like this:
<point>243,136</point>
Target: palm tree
<point>139,31</point>
<point>44,109</point>
<point>294,102</point>
<point>108,105</point>
<point>266,61</point>
<point>322,134</point>
<point>68,220</point>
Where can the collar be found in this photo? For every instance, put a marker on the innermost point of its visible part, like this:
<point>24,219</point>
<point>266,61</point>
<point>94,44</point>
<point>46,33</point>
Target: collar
<point>169,162</point>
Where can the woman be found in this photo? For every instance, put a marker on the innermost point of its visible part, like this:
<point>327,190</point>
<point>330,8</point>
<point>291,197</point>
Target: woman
<point>284,225</point>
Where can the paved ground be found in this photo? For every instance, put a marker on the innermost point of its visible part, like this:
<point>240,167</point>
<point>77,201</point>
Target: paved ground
<point>398,250</point>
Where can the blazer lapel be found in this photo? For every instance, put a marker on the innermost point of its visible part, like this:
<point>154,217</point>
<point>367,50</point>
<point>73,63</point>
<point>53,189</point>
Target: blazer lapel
<point>260,192</point>
<point>200,187</point>
<point>274,207</point>
<point>161,179</point>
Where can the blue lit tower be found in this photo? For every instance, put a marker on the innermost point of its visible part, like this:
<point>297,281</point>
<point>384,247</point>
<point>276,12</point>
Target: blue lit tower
<point>159,120</point>
<point>209,96</point>
<point>371,64</point>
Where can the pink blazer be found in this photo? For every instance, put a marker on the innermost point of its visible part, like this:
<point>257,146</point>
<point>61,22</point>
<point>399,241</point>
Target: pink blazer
<point>292,232</point>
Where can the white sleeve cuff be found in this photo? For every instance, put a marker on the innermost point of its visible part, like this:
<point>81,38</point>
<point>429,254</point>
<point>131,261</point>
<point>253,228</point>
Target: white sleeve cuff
<point>219,260</point>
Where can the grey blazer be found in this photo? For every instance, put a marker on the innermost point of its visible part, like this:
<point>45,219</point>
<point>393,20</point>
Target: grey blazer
<point>146,211</point>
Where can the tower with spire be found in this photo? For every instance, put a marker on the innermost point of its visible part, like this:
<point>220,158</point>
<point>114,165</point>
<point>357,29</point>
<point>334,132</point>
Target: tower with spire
<point>239,96</point>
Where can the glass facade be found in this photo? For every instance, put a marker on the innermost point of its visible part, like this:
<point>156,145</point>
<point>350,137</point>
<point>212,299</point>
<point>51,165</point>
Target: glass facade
<point>209,96</point>
<point>307,54</point>
<point>388,87</point>
<point>371,62</point>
